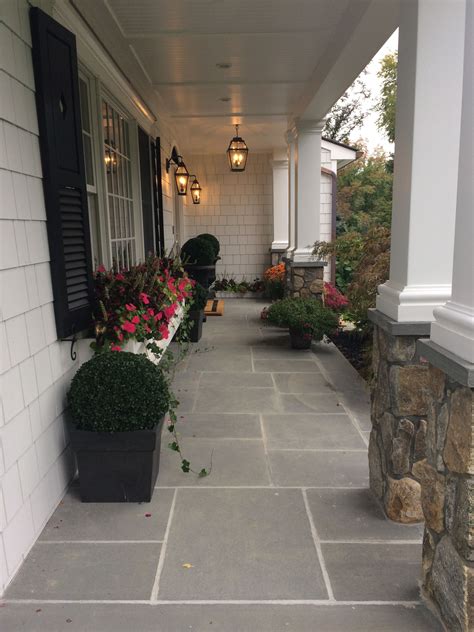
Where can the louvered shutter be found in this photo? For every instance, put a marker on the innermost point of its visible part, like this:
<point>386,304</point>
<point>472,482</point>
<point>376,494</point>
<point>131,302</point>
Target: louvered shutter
<point>64,181</point>
<point>144,152</point>
<point>158,195</point>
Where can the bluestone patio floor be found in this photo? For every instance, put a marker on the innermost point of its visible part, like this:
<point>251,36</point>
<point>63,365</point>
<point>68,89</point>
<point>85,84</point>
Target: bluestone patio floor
<point>283,535</point>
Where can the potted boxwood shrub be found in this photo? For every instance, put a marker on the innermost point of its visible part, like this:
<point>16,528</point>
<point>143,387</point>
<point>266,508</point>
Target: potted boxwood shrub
<point>200,260</point>
<point>212,239</point>
<point>196,312</point>
<point>118,402</point>
<point>306,318</point>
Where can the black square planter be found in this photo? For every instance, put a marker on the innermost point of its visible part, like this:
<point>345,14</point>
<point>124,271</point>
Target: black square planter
<point>117,467</point>
<point>196,318</point>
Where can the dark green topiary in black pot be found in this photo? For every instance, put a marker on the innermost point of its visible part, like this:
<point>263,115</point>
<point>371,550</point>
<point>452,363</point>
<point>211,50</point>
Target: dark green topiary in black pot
<point>200,258</point>
<point>196,311</point>
<point>118,401</point>
<point>212,240</point>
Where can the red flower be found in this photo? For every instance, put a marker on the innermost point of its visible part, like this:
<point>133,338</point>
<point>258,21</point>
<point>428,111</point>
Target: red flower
<point>146,317</point>
<point>128,326</point>
<point>130,307</point>
<point>169,311</point>
<point>120,336</point>
<point>144,298</point>
<point>119,277</point>
<point>147,329</point>
<point>101,268</point>
<point>164,331</point>
<point>182,285</point>
<point>115,348</point>
<point>151,311</point>
<point>136,320</point>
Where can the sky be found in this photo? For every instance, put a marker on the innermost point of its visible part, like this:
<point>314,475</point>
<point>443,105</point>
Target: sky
<point>369,131</point>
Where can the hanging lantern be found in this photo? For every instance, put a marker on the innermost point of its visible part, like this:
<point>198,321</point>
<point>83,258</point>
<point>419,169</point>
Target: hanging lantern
<point>196,191</point>
<point>181,175</point>
<point>237,152</point>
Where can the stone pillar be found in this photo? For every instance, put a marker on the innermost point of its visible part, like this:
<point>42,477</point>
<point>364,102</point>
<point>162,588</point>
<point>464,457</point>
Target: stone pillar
<point>398,413</point>
<point>280,206</point>
<point>447,473</point>
<point>429,95</point>
<point>305,279</point>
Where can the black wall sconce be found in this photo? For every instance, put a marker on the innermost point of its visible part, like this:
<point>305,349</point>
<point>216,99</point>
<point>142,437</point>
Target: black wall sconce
<point>181,174</point>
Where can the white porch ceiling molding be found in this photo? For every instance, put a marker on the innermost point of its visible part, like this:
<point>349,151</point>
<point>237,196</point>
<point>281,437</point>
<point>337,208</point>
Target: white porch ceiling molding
<point>288,59</point>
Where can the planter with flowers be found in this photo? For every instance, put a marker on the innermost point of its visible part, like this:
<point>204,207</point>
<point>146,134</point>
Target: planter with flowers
<point>118,402</point>
<point>307,319</point>
<point>274,279</point>
<point>140,308</point>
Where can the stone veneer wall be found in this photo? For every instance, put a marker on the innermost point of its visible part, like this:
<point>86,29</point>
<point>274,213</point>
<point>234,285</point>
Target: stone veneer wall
<point>400,404</point>
<point>447,496</point>
<point>305,279</point>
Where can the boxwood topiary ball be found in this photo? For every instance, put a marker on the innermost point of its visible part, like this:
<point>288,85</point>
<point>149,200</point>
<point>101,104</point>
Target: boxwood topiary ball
<point>211,239</point>
<point>117,392</point>
<point>197,251</point>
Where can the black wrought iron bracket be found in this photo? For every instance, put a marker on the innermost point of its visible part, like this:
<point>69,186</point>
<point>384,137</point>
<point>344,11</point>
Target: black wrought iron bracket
<point>72,340</point>
<point>175,158</point>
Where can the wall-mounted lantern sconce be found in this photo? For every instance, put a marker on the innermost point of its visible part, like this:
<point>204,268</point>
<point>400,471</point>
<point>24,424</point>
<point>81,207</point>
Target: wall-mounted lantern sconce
<point>237,152</point>
<point>181,174</point>
<point>195,190</point>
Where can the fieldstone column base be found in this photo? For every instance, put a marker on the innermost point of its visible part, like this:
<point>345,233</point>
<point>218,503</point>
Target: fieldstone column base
<point>399,417</point>
<point>447,489</point>
<point>305,279</point>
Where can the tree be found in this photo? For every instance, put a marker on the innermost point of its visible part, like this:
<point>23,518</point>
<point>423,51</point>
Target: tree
<point>388,97</point>
<point>348,113</point>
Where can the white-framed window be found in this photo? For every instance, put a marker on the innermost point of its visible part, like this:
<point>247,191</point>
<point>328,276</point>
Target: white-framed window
<point>89,141</point>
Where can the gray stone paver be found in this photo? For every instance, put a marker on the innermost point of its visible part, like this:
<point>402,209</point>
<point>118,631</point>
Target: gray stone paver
<point>260,528</point>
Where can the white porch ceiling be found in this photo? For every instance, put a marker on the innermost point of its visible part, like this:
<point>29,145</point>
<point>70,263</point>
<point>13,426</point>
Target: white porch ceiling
<point>275,49</point>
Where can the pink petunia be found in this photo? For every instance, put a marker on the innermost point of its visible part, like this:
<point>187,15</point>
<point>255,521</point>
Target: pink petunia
<point>144,298</point>
<point>151,311</point>
<point>164,331</point>
<point>120,336</point>
<point>146,317</point>
<point>101,268</point>
<point>130,307</point>
<point>158,316</point>
<point>170,311</point>
<point>119,277</point>
<point>136,320</point>
<point>128,326</point>
<point>115,348</point>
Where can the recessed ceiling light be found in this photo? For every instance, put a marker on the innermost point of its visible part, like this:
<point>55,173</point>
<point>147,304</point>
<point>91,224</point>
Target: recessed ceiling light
<point>224,65</point>
<point>224,99</point>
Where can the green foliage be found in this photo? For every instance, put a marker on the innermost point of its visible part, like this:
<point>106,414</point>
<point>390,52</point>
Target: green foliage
<point>364,193</point>
<point>118,392</point>
<point>386,105</point>
<point>199,298</point>
<point>213,240</point>
<point>198,251</point>
<point>303,315</point>
<point>348,113</point>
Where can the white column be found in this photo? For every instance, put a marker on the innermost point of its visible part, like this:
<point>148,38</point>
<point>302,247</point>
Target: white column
<point>291,147</point>
<point>453,328</point>
<point>307,189</point>
<point>428,116</point>
<point>280,200</point>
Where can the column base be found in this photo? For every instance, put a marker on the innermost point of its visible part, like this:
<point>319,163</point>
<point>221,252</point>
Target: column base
<point>447,480</point>
<point>453,329</point>
<point>414,303</point>
<point>305,279</point>
<point>399,410</point>
<point>278,252</point>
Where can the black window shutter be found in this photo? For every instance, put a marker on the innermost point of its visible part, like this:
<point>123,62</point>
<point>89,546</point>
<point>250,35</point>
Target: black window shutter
<point>158,195</point>
<point>64,182</point>
<point>146,176</point>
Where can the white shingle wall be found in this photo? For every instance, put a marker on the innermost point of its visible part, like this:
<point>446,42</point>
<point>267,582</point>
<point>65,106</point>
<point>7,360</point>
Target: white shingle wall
<point>238,209</point>
<point>35,369</point>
